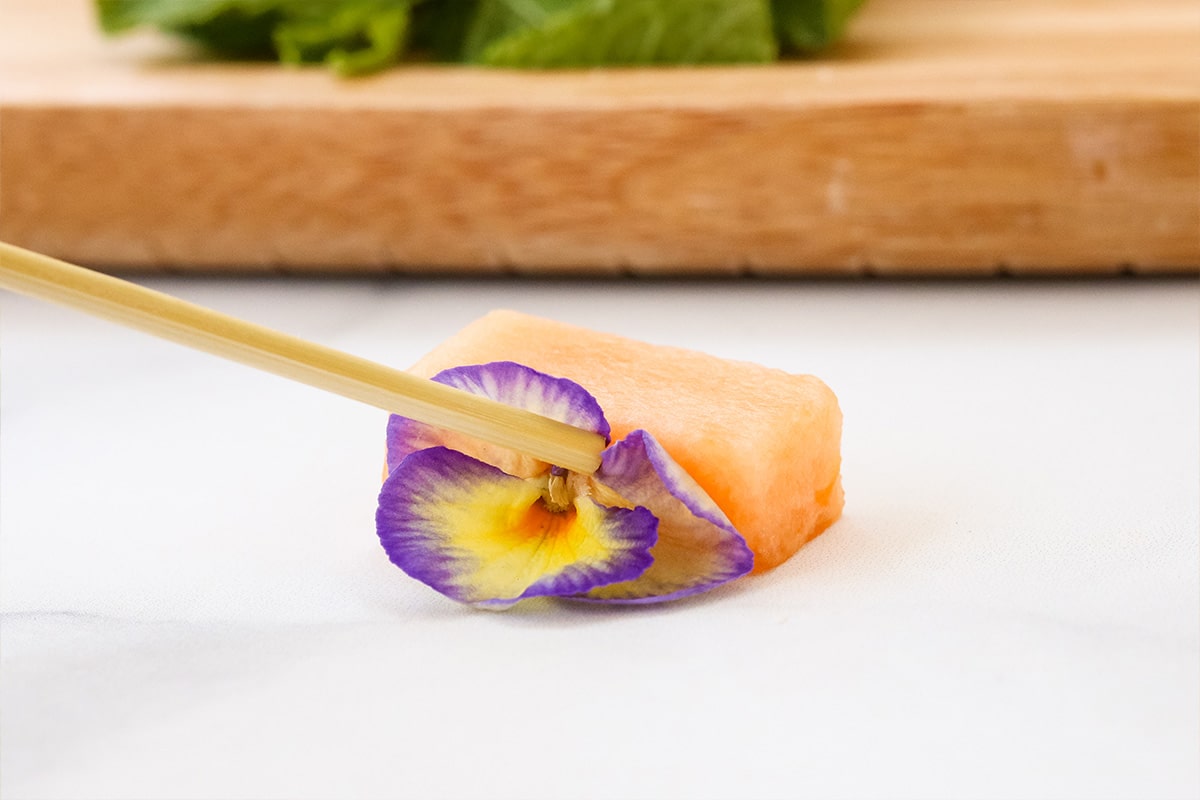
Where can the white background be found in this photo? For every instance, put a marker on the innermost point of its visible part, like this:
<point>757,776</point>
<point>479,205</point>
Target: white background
<point>195,604</point>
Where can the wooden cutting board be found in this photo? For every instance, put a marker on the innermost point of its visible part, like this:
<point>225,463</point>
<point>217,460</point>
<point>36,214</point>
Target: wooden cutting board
<point>943,136</point>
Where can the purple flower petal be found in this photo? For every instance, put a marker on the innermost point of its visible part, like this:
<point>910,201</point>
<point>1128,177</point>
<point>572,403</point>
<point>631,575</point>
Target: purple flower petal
<point>698,548</point>
<point>509,383</point>
<point>479,535</point>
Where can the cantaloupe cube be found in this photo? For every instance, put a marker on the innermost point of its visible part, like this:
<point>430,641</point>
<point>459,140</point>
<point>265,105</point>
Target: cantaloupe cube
<point>765,444</point>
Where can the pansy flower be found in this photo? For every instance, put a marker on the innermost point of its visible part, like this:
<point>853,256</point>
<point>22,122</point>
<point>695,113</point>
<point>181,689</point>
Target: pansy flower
<point>490,526</point>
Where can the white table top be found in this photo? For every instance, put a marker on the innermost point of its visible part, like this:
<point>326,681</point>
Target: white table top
<point>195,604</point>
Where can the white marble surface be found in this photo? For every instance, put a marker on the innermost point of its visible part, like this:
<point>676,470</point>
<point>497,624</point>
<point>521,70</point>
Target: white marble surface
<point>195,604</point>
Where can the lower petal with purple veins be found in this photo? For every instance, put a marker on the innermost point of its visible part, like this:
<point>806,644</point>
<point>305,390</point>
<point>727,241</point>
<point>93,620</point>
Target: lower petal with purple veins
<point>480,535</point>
<point>698,548</point>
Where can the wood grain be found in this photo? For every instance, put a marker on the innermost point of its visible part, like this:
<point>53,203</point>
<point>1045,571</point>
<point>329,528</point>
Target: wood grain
<point>943,137</point>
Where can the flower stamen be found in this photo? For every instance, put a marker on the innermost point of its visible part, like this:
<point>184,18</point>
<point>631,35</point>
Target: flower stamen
<point>557,496</point>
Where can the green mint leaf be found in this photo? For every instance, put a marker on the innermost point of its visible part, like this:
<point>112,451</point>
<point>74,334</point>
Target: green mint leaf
<point>439,27</point>
<point>358,36</point>
<point>561,33</point>
<point>234,32</point>
<point>807,26</point>
<point>354,38</point>
<point>495,19</point>
<point>229,28</point>
<point>121,15</point>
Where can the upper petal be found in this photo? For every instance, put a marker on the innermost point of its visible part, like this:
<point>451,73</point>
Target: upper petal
<point>479,535</point>
<point>514,385</point>
<point>698,548</point>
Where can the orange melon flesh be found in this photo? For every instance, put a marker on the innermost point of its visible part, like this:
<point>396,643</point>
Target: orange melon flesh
<point>764,444</point>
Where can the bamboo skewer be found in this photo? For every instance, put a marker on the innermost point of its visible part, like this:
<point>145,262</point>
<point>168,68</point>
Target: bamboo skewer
<point>288,356</point>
